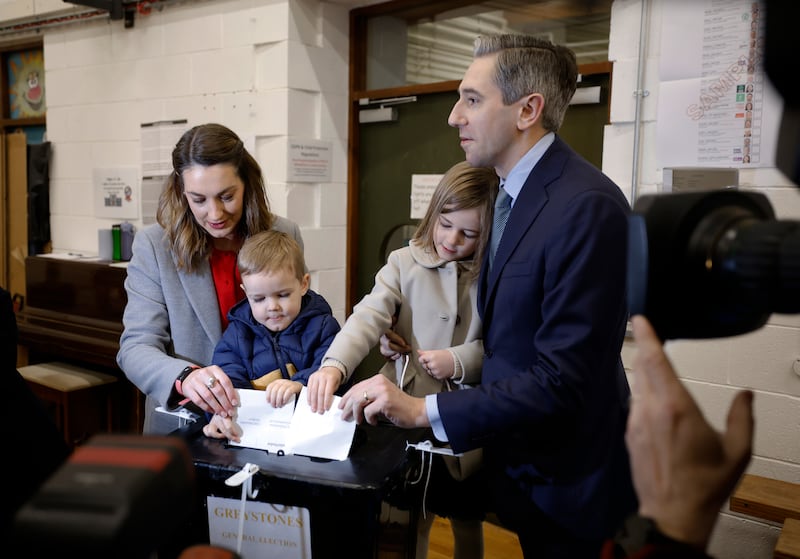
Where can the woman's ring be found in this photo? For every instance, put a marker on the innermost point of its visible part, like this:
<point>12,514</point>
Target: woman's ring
<point>366,396</point>
<point>211,382</point>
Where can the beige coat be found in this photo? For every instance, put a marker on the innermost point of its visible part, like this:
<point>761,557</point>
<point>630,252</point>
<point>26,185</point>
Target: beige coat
<point>434,311</point>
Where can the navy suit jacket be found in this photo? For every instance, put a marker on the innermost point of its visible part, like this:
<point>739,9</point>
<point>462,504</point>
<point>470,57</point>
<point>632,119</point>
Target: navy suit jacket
<point>551,408</point>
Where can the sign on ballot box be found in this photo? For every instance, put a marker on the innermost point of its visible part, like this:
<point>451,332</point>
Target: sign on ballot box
<point>265,529</point>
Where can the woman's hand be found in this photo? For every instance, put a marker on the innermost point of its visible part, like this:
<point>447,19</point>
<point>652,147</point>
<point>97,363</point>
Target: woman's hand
<point>211,390</point>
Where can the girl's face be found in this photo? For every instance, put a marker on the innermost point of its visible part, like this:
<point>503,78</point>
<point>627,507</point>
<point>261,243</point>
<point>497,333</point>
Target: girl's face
<point>216,197</point>
<point>455,234</point>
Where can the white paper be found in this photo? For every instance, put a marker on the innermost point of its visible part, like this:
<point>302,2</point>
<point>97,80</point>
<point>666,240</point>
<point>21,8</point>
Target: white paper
<point>716,109</point>
<point>320,435</point>
<point>293,429</point>
<point>262,425</point>
<point>422,187</point>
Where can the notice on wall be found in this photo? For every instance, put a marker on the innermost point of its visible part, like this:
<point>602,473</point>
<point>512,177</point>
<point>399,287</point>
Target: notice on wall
<point>715,104</point>
<point>259,529</point>
<point>116,193</point>
<point>309,161</point>
<point>422,187</point>
<point>158,140</point>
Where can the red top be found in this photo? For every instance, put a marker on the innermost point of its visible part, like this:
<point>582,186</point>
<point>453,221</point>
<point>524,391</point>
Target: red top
<point>227,281</point>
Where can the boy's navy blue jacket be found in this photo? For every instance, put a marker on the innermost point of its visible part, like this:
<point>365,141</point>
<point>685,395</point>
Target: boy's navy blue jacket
<point>248,351</point>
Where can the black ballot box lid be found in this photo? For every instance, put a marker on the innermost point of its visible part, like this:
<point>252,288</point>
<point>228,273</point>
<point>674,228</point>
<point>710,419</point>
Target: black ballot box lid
<point>344,497</point>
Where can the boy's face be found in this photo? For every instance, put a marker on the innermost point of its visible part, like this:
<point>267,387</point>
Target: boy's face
<point>275,298</point>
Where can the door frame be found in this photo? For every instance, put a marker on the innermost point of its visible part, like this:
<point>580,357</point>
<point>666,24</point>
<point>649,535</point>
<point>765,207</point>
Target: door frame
<point>357,79</point>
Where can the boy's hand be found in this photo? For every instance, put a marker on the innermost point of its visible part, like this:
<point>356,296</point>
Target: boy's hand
<point>321,386</point>
<point>280,391</point>
<point>223,428</point>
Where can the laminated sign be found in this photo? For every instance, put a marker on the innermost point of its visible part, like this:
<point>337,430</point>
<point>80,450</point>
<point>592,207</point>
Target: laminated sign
<point>259,529</point>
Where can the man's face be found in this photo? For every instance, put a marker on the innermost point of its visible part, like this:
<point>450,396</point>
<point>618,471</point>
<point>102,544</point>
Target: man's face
<point>487,128</point>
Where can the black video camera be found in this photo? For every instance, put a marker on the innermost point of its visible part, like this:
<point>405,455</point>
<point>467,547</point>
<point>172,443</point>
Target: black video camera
<point>717,263</point>
<point>711,264</point>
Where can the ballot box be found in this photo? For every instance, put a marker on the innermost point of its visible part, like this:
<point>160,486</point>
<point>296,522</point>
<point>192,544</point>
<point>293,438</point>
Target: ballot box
<point>343,499</point>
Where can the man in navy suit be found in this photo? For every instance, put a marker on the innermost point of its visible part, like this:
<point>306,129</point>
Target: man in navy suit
<point>551,409</point>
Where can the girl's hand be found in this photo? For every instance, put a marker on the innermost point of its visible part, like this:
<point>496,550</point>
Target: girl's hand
<point>280,391</point>
<point>321,386</point>
<point>393,346</point>
<point>438,363</point>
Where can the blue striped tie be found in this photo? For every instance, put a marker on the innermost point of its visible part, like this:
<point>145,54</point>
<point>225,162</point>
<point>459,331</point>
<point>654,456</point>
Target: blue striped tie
<point>502,207</point>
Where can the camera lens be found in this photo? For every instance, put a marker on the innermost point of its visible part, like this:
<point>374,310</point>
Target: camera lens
<point>711,264</point>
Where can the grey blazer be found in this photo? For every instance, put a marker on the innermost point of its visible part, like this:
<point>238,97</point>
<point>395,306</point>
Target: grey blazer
<point>171,320</point>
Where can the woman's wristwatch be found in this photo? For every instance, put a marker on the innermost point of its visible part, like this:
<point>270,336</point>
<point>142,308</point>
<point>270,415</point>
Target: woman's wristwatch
<point>176,398</point>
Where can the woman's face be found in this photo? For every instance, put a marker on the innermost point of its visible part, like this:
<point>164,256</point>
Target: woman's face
<point>216,197</point>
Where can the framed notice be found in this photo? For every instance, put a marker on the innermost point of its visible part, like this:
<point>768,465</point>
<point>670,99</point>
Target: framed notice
<point>309,161</point>
<point>116,193</point>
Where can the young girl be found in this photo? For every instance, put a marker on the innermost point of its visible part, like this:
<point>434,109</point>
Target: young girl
<point>429,287</point>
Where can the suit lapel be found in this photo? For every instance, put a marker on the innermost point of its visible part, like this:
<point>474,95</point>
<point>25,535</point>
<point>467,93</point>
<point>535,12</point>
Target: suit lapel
<point>527,207</point>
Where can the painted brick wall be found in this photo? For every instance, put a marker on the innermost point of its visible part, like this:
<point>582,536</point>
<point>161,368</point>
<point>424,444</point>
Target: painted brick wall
<point>712,369</point>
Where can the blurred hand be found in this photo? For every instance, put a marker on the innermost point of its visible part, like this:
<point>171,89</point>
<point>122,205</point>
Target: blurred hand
<point>683,469</point>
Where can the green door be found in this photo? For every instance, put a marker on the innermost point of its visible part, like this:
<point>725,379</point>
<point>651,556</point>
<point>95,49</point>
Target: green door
<point>421,142</point>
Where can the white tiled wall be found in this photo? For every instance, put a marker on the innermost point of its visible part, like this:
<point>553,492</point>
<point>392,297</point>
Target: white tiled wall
<point>712,369</point>
<point>270,70</point>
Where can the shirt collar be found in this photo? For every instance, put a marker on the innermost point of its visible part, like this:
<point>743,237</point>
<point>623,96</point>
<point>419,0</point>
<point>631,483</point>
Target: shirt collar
<point>519,173</point>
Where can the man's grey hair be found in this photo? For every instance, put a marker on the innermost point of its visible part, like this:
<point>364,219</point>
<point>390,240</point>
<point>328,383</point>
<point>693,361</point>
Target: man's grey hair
<point>527,64</point>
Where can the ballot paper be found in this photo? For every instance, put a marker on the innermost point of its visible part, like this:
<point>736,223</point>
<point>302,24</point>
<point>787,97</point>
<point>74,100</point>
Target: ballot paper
<point>293,429</point>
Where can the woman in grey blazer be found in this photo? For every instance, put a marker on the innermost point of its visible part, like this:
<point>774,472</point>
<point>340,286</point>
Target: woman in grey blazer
<point>182,278</point>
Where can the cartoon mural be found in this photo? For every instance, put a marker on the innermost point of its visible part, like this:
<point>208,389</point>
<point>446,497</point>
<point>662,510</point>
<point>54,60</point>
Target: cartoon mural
<point>26,84</point>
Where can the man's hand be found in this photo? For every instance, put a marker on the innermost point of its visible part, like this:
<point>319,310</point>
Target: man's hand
<point>683,469</point>
<point>379,397</point>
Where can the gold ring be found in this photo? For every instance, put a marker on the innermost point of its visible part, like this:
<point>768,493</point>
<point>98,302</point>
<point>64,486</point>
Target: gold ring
<point>211,382</point>
<point>366,397</point>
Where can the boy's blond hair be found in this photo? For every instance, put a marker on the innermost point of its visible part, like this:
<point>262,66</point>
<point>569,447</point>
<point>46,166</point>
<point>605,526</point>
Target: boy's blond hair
<point>271,251</point>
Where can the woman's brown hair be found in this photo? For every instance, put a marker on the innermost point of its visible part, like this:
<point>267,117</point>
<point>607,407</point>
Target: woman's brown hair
<point>206,145</point>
